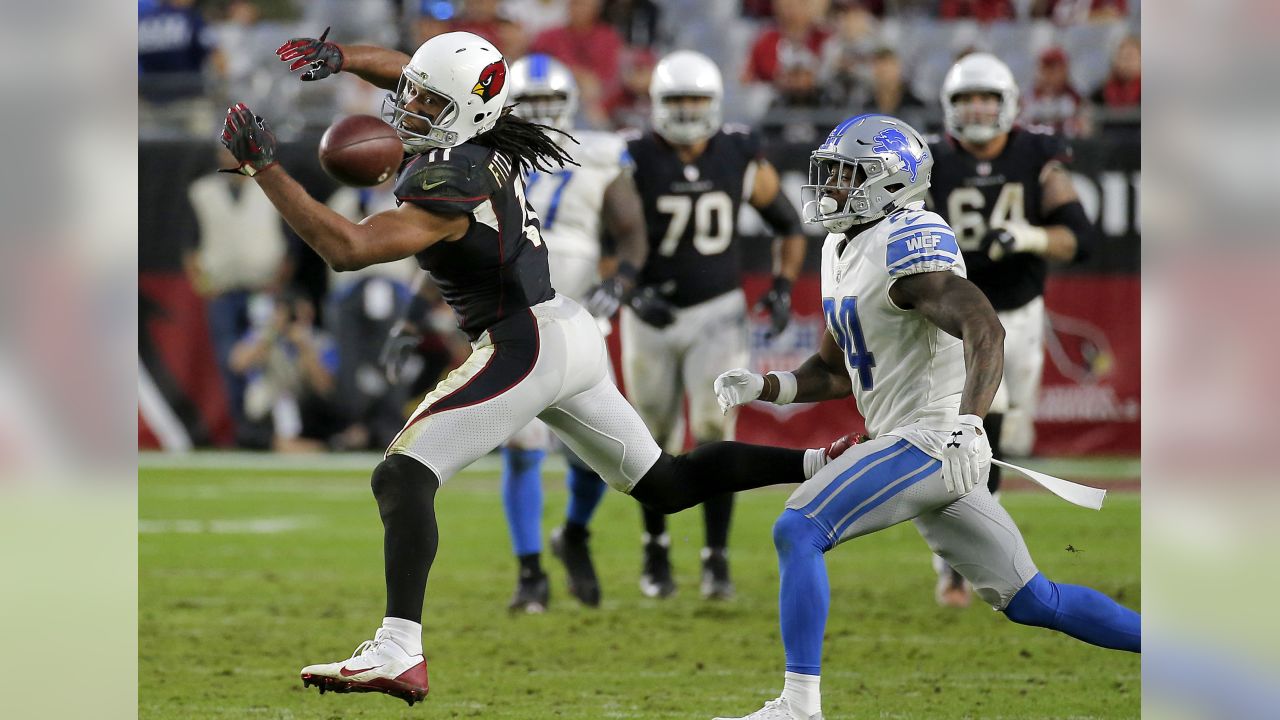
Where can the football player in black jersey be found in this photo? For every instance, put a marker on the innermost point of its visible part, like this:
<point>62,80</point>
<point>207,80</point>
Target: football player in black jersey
<point>693,174</point>
<point>463,215</point>
<point>1008,195</point>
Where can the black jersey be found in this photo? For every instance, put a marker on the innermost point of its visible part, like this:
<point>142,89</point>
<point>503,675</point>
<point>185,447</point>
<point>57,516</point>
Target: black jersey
<point>974,195</point>
<point>500,266</point>
<point>691,213</point>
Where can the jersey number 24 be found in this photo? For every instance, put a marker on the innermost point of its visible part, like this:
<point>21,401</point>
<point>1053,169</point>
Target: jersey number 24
<point>843,320</point>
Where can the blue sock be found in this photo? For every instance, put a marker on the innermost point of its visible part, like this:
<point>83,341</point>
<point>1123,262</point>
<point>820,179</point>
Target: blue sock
<point>805,596</point>
<point>1081,612</point>
<point>522,498</point>
<point>586,490</point>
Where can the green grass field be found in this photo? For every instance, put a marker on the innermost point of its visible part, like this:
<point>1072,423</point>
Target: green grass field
<point>249,570</point>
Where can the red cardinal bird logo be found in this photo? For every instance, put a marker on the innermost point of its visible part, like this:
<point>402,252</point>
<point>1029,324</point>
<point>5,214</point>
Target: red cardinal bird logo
<point>492,78</point>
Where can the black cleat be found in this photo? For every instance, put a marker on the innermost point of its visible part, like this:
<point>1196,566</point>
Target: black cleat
<point>533,594</point>
<point>716,584</point>
<point>656,580</point>
<point>570,545</point>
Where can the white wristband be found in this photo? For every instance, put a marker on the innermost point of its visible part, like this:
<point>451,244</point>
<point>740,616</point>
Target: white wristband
<point>1032,239</point>
<point>786,387</point>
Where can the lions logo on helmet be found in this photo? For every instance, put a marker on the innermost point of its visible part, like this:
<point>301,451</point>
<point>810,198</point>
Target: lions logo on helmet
<point>492,78</point>
<point>892,140</point>
<point>869,166</point>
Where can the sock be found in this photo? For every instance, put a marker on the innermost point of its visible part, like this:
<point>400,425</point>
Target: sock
<point>1081,612</point>
<point>406,633</point>
<point>678,482</point>
<point>805,595</point>
<point>717,513</point>
<point>522,498</point>
<point>802,693</point>
<point>530,565</point>
<point>655,523</point>
<point>406,493</point>
<point>586,490</point>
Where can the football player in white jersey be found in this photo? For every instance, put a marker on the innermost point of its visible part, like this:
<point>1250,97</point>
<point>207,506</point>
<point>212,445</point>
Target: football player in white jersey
<point>920,349</point>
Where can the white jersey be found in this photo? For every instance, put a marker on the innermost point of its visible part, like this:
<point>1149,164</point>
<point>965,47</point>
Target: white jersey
<point>569,202</point>
<point>907,373</point>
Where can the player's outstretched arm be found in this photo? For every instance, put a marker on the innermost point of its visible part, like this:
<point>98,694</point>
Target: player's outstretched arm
<point>344,245</point>
<point>318,58</point>
<point>960,309</point>
<point>821,377</point>
<point>623,212</point>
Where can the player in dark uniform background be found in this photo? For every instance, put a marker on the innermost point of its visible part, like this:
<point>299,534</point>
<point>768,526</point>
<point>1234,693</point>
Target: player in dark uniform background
<point>693,174</point>
<point>1008,195</point>
<point>463,214</point>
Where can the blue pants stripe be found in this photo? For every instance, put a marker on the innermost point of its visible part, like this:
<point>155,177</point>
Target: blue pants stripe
<point>887,491</point>
<point>855,471</point>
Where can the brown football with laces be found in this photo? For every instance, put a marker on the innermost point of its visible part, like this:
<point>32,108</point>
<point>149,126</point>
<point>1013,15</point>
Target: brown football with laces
<point>360,150</point>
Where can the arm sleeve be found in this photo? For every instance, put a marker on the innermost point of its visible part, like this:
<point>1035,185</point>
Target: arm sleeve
<point>919,243</point>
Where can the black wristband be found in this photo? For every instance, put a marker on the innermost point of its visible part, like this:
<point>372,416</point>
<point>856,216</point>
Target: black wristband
<point>782,284</point>
<point>627,271</point>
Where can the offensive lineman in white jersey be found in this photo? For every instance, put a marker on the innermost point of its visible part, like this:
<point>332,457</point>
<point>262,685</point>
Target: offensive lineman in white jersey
<point>581,207</point>
<point>920,348</point>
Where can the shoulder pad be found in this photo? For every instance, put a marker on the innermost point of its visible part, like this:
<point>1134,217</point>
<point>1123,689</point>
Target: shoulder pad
<point>630,134</point>
<point>452,180</point>
<point>745,139</point>
<point>917,241</point>
<point>736,128</point>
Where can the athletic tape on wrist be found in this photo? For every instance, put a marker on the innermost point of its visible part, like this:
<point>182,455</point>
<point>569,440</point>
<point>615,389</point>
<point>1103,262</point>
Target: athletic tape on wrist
<point>786,387</point>
<point>973,420</point>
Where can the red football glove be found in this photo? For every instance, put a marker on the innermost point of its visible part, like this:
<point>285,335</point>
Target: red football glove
<point>322,58</point>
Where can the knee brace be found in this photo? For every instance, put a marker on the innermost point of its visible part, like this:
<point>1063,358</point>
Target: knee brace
<point>794,531</point>
<point>399,481</point>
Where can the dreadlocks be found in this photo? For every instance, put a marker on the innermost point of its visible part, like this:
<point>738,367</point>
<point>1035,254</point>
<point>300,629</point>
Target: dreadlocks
<point>528,142</point>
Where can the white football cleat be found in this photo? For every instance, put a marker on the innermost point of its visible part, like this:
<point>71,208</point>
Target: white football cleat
<point>377,665</point>
<point>776,709</point>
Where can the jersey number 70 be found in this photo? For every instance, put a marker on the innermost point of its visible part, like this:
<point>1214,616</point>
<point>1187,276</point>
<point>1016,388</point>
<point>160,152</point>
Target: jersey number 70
<point>847,329</point>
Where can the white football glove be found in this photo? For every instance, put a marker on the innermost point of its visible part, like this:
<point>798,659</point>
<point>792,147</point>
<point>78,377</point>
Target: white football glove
<point>1015,237</point>
<point>965,455</point>
<point>737,387</point>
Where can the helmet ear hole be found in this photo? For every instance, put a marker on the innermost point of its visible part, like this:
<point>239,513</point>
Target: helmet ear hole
<point>895,187</point>
<point>479,117</point>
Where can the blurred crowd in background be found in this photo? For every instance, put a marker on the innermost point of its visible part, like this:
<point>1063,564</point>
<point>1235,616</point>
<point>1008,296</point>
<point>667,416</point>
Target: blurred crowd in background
<point>800,65</point>
<point>297,346</point>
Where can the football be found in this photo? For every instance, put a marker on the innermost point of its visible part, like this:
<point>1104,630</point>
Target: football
<point>360,150</point>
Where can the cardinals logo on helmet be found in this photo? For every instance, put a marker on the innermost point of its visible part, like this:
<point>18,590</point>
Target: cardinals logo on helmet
<point>492,78</point>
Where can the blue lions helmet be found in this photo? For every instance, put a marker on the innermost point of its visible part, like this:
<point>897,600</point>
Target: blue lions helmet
<point>876,162</point>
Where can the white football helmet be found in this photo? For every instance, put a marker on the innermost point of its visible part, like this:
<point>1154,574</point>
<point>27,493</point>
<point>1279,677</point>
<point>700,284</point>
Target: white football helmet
<point>979,72</point>
<point>685,73</point>
<point>545,91</point>
<point>469,72</point>
<point>878,162</point>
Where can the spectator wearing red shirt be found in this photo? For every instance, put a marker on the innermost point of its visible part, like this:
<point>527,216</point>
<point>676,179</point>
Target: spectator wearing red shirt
<point>796,32</point>
<point>1053,103</point>
<point>592,49</point>
<point>980,10</point>
<point>1123,88</point>
<point>480,17</point>
<point>1069,12</point>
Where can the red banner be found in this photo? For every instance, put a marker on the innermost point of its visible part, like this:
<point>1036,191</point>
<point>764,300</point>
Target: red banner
<point>1090,396</point>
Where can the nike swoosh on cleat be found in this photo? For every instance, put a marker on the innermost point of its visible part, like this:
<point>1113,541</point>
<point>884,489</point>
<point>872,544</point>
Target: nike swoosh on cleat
<point>345,673</point>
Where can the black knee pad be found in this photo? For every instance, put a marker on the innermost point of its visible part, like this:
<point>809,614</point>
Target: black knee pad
<point>400,480</point>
